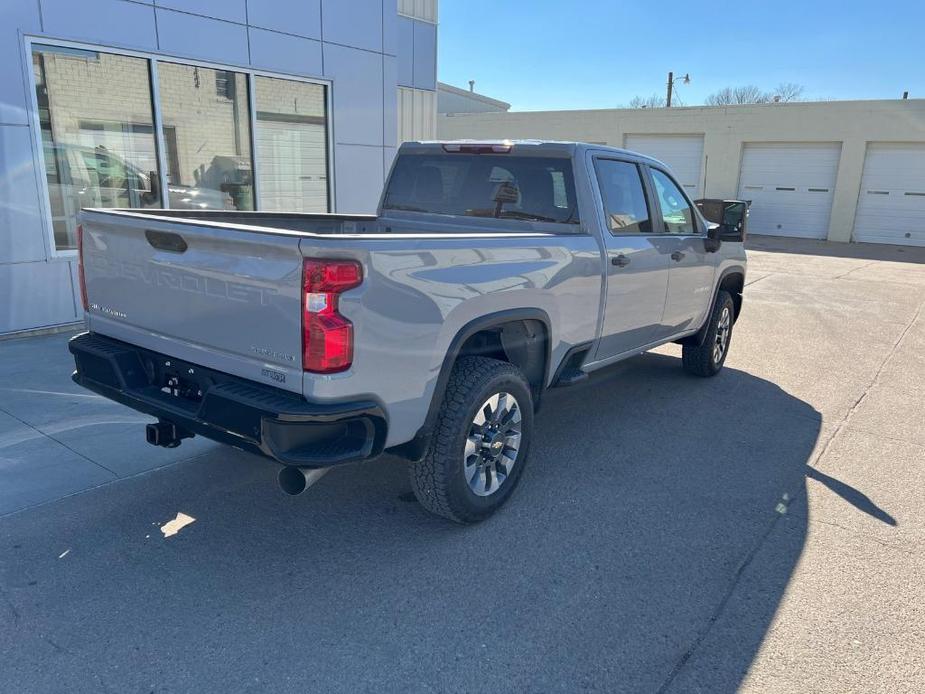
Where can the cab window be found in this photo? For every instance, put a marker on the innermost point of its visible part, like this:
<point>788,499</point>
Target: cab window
<point>503,186</point>
<point>677,216</point>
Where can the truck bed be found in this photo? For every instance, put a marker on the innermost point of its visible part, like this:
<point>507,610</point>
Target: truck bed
<point>224,290</point>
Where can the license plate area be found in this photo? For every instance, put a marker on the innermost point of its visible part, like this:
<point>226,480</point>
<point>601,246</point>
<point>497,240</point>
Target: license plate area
<point>183,383</point>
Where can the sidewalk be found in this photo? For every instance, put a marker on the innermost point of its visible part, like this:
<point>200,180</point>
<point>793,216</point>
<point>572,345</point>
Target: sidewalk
<point>57,438</point>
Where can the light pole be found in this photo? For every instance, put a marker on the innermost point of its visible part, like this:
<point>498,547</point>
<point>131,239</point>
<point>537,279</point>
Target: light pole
<point>686,79</point>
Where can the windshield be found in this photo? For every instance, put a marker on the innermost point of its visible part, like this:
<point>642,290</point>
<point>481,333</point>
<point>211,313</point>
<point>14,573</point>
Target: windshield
<point>503,186</point>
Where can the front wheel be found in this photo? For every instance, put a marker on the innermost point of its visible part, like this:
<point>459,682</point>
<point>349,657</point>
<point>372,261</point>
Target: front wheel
<point>480,443</point>
<point>707,358</point>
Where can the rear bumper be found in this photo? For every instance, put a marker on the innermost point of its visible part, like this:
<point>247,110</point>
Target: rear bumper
<point>247,415</point>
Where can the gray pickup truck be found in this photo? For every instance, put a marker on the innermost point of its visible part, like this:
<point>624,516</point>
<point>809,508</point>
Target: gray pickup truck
<point>493,272</point>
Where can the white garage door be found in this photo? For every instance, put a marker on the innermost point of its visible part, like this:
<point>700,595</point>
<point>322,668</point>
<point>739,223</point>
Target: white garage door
<point>891,206</point>
<point>682,153</point>
<point>791,186</point>
<point>292,166</point>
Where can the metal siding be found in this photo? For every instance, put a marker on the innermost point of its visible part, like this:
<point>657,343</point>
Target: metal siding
<point>405,30</point>
<point>270,50</point>
<point>200,38</point>
<point>424,72</point>
<point>22,233</point>
<point>891,204</point>
<point>358,99</point>
<point>103,21</point>
<point>15,17</point>
<point>791,186</point>
<point>230,10</point>
<point>357,23</point>
<point>360,168</point>
<point>299,17</point>
<point>417,112</point>
<point>419,9</point>
<point>35,295</point>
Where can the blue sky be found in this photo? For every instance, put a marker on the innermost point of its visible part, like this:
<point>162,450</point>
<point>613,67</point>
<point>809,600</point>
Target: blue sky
<point>542,54</point>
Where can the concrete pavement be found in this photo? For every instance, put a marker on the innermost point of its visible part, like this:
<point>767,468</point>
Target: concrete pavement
<point>761,531</point>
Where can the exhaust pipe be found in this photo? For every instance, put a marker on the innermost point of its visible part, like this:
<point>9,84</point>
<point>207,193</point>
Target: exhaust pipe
<point>295,480</point>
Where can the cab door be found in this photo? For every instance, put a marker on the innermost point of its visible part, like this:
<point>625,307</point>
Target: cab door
<point>636,263</point>
<point>691,267</point>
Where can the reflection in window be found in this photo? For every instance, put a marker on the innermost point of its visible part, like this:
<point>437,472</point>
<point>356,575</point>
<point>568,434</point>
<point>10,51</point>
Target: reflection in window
<point>97,133</point>
<point>292,154</point>
<point>206,137</point>
<point>676,211</point>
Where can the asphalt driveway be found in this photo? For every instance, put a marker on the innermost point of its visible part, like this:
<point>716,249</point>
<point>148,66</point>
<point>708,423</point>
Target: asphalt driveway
<point>762,530</point>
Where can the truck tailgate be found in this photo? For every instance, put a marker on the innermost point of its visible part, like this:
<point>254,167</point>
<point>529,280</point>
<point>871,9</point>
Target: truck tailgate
<point>226,297</point>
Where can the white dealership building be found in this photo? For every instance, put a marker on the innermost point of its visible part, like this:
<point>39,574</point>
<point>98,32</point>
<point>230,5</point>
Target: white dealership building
<point>290,105</point>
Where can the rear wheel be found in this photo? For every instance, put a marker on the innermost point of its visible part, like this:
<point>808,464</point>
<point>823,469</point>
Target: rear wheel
<point>708,358</point>
<point>480,442</point>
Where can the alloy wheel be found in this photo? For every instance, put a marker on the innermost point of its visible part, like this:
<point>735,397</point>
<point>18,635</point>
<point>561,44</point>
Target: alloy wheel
<point>492,444</point>
<point>723,328</point>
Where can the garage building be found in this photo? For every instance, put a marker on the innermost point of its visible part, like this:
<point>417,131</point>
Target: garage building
<point>836,170</point>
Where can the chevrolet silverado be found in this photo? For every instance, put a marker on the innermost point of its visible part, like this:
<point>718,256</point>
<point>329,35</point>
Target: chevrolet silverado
<point>492,272</point>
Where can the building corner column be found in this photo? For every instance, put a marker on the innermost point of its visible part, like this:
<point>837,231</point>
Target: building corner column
<point>847,189</point>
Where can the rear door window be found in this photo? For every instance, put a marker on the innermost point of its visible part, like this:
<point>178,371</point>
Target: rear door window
<point>537,189</point>
<point>625,208</point>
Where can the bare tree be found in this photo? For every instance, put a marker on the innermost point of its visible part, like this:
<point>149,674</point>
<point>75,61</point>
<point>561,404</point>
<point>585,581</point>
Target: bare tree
<point>788,91</point>
<point>747,94</point>
<point>723,97</point>
<point>654,101</point>
<point>750,94</point>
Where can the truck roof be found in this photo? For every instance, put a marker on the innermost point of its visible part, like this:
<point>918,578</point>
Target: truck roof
<point>527,146</point>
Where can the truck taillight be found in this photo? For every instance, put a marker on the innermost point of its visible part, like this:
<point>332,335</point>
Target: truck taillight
<point>327,337</point>
<point>80,268</point>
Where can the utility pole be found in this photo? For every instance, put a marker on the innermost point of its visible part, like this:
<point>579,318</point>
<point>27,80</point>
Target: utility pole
<point>686,79</point>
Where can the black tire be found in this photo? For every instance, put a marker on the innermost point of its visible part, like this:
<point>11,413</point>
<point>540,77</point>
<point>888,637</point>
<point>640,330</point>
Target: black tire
<point>439,480</point>
<point>701,360</point>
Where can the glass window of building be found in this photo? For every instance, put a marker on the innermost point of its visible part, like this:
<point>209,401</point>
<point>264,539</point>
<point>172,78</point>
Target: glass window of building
<point>292,150</point>
<point>97,132</point>
<point>97,113</point>
<point>206,122</point>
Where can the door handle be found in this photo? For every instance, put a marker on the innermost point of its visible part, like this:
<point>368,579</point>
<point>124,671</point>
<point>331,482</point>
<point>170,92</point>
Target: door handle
<point>620,260</point>
<point>677,256</point>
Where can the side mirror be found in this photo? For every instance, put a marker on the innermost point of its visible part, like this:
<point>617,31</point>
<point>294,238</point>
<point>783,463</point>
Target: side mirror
<point>152,193</point>
<point>735,217</point>
<point>729,220</point>
<point>505,192</point>
<point>713,241</point>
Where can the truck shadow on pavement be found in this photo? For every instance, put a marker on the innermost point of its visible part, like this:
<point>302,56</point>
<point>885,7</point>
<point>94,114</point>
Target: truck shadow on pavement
<point>647,549</point>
